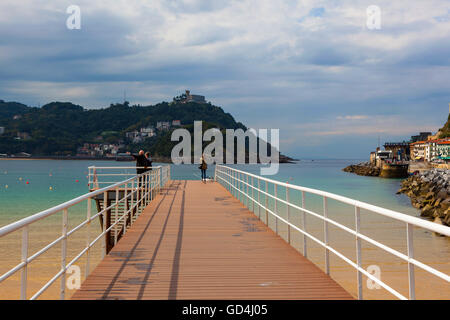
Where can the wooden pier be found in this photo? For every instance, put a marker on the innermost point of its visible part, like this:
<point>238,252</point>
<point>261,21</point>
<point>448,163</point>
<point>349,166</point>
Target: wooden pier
<point>196,241</point>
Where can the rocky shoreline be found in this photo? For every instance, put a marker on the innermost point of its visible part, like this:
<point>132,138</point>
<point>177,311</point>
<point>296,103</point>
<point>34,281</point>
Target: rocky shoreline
<point>430,192</point>
<point>363,169</point>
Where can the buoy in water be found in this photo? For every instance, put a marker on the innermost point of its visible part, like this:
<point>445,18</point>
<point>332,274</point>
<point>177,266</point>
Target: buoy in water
<point>28,182</point>
<point>50,188</point>
<point>6,186</point>
<point>20,178</point>
<point>76,180</point>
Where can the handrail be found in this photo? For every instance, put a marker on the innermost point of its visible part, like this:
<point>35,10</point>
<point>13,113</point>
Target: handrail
<point>386,212</point>
<point>233,180</point>
<point>139,190</point>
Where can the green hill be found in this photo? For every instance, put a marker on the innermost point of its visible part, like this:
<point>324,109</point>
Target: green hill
<point>60,128</point>
<point>445,130</point>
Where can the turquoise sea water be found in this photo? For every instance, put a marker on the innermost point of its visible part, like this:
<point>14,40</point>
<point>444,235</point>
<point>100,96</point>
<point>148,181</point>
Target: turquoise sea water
<point>51,182</point>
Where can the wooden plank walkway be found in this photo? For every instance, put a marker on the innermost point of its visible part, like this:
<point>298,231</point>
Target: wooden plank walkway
<point>196,241</point>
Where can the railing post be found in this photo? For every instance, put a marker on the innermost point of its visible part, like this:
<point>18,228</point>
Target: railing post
<point>259,199</point>
<point>358,251</point>
<point>63,254</point>
<point>267,203</point>
<point>88,234</point>
<point>125,210</point>
<point>288,214</point>
<point>253,194</point>
<point>325,231</point>
<point>105,204</point>
<point>24,271</point>
<point>411,277</point>
<point>132,202</point>
<point>305,238</point>
<point>117,216</point>
<point>247,193</point>
<point>275,206</point>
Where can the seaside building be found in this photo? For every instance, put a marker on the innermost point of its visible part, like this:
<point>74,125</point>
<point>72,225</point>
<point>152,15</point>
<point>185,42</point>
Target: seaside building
<point>2,130</point>
<point>418,150</point>
<point>400,150</point>
<point>176,123</point>
<point>443,150</point>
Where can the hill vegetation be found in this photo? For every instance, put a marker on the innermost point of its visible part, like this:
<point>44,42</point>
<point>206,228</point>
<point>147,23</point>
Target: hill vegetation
<point>60,128</point>
<point>445,130</point>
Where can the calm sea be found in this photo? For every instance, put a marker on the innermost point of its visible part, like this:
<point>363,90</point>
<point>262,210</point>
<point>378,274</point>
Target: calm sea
<point>29,186</point>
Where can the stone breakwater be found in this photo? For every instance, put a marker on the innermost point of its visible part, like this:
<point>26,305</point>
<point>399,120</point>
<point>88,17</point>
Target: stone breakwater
<point>430,192</point>
<point>363,169</point>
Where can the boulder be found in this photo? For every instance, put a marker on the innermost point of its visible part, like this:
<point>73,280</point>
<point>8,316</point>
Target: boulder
<point>427,211</point>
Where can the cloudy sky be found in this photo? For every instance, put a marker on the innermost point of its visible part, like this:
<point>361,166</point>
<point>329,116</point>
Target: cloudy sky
<point>311,68</point>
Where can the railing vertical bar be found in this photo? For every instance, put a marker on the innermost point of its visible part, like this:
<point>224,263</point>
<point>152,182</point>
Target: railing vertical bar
<point>64,254</point>
<point>132,202</point>
<point>325,231</point>
<point>126,208</point>
<point>105,205</point>
<point>275,206</point>
<point>88,234</point>
<point>259,198</point>
<point>358,251</point>
<point>288,214</point>
<point>267,203</point>
<point>116,227</point>
<point>253,194</point>
<point>411,277</point>
<point>24,271</point>
<point>305,247</point>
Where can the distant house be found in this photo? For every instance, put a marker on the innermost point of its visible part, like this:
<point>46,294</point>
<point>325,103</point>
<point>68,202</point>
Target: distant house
<point>17,117</point>
<point>2,130</point>
<point>418,150</point>
<point>148,132</point>
<point>176,123</point>
<point>163,125</point>
<point>443,150</point>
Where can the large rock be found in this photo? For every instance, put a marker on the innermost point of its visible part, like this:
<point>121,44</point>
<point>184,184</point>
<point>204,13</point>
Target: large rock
<point>427,211</point>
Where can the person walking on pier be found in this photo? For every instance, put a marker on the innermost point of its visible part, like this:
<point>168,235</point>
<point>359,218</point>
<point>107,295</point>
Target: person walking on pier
<point>203,167</point>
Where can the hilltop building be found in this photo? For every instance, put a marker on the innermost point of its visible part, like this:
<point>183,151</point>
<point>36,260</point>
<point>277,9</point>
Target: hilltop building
<point>188,97</point>
<point>423,136</point>
<point>2,130</point>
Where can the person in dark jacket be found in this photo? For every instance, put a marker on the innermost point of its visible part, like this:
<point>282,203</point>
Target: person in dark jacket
<point>203,167</point>
<point>141,162</point>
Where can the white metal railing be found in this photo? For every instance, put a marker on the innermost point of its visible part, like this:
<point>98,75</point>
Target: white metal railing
<point>134,193</point>
<point>245,185</point>
<point>98,176</point>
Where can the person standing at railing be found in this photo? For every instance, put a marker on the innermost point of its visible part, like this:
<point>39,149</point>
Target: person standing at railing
<point>141,162</point>
<point>149,161</point>
<point>203,167</point>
